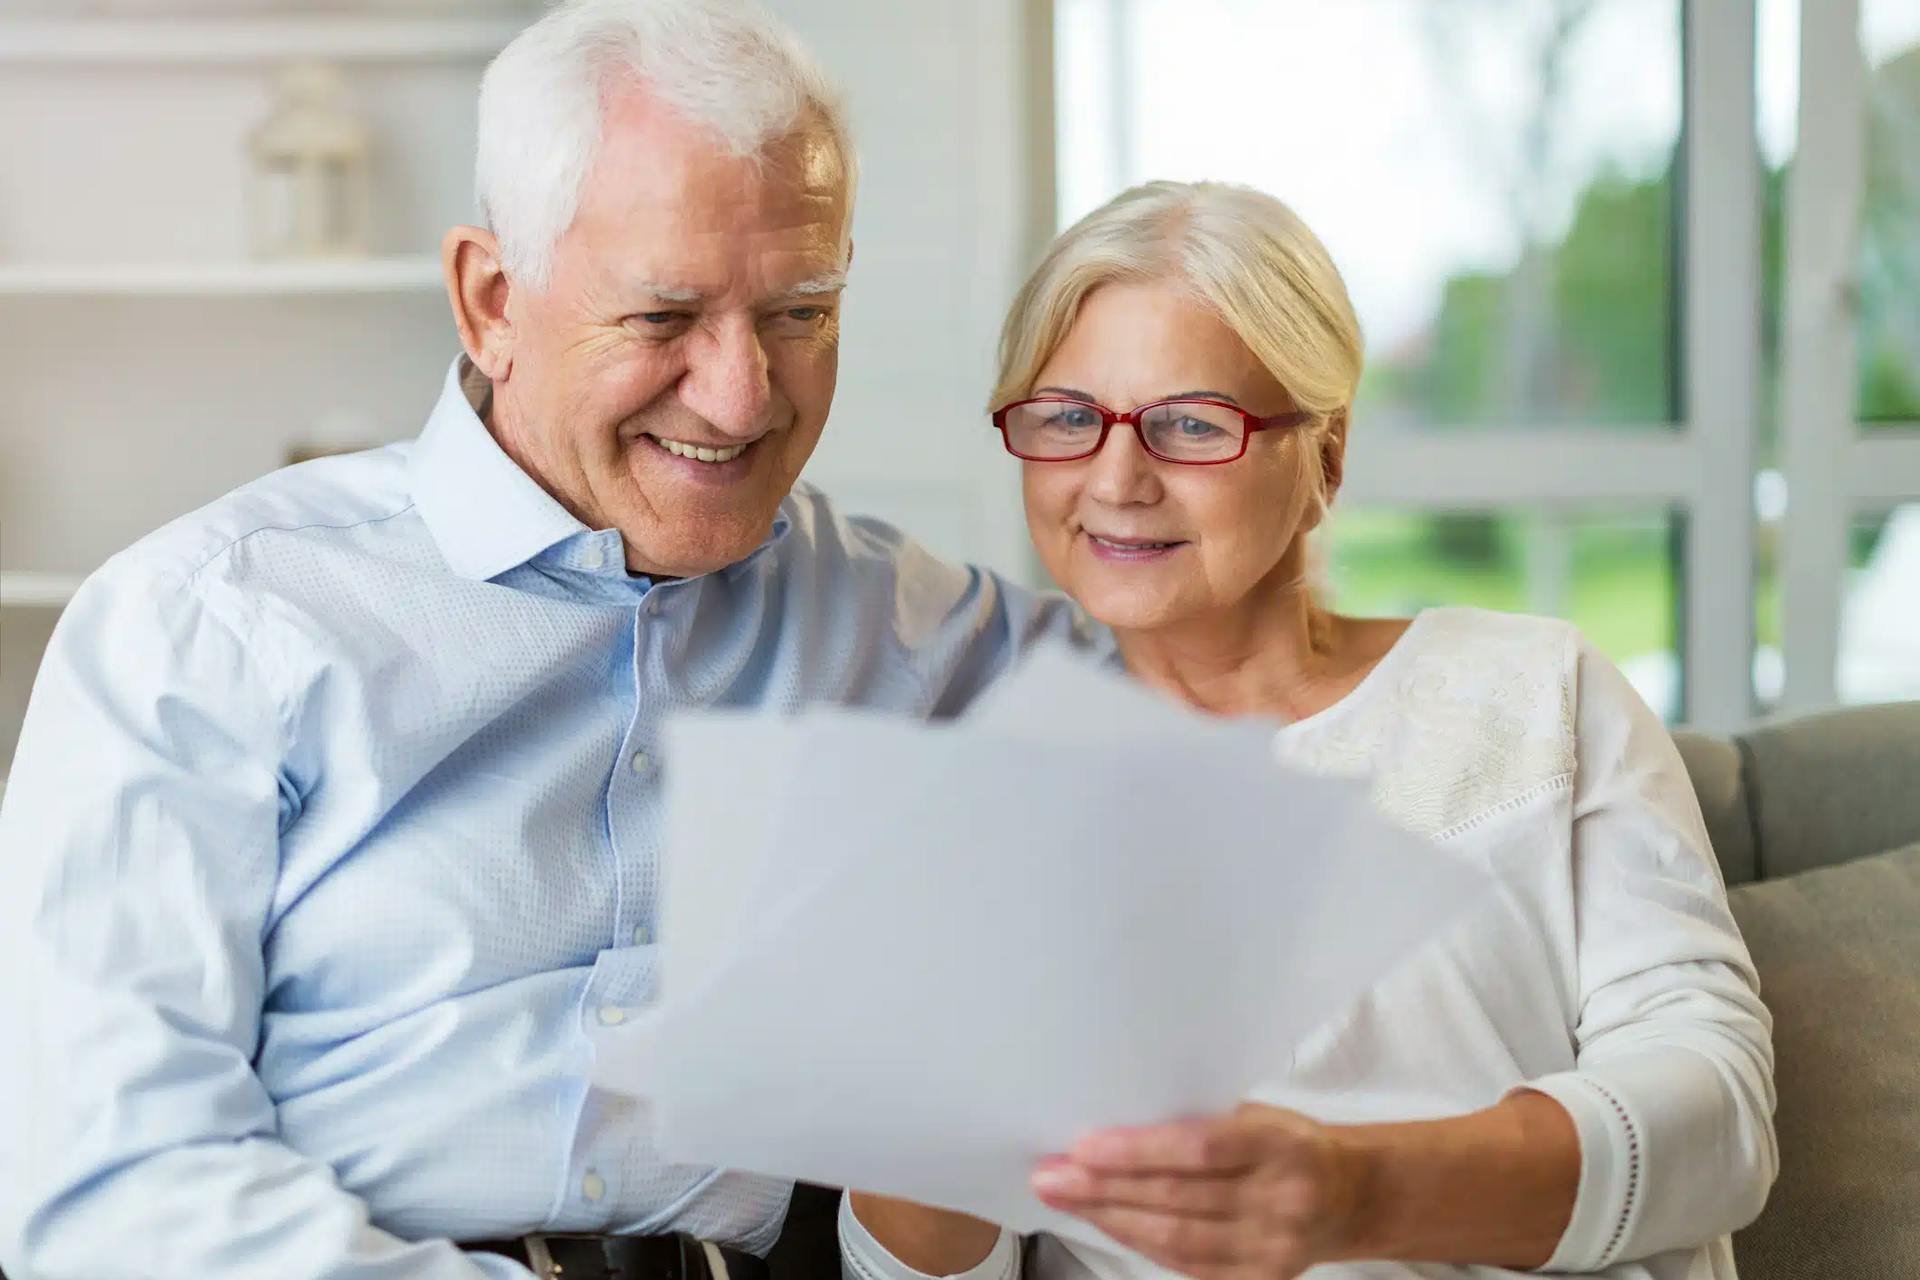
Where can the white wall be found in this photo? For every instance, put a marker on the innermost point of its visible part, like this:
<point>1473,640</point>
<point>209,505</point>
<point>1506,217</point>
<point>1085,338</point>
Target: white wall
<point>117,414</point>
<point>941,241</point>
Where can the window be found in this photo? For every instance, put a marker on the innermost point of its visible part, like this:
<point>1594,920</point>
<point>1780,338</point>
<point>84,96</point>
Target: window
<point>1572,271</point>
<point>1610,570</point>
<point>1888,262</point>
<point>1481,217</point>
<point>1505,187</point>
<point>1880,612</point>
<point>1848,449</point>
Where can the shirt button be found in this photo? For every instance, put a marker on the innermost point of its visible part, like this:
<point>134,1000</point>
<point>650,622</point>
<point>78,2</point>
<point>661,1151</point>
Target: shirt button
<point>641,936</point>
<point>593,1186</point>
<point>641,764</point>
<point>593,557</point>
<point>612,1015</point>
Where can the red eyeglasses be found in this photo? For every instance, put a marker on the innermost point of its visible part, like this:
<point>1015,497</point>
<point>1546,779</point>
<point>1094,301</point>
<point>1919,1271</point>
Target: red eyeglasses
<point>1197,433</point>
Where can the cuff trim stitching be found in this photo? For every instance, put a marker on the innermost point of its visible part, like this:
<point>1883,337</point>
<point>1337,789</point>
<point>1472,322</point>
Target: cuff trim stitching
<point>1633,1174</point>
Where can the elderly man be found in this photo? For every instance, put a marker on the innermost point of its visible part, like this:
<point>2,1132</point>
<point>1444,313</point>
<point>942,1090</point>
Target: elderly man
<point>336,819</point>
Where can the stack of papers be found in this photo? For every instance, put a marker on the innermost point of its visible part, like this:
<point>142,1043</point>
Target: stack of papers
<point>913,959</point>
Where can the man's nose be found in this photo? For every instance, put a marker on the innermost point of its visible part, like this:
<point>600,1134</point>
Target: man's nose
<point>1122,472</point>
<point>726,382</point>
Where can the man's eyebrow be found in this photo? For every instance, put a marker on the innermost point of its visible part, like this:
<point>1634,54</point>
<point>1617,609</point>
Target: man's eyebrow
<point>670,293</point>
<point>831,282</point>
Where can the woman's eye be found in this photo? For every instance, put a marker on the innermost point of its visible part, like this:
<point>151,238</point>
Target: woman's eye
<point>1074,419</point>
<point>1194,427</point>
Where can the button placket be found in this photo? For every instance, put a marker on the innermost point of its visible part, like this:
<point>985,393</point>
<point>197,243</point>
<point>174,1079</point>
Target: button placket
<point>598,1149</point>
<point>629,797</point>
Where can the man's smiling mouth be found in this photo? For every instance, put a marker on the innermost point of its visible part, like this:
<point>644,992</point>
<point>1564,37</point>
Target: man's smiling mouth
<point>703,453</point>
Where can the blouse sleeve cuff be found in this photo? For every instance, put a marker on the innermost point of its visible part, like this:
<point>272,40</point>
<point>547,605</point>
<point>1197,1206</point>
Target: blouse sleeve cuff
<point>864,1258</point>
<point>1611,1172</point>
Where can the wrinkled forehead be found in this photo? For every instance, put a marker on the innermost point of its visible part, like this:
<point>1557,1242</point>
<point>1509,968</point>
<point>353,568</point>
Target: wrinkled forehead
<point>673,213</point>
<point>650,156</point>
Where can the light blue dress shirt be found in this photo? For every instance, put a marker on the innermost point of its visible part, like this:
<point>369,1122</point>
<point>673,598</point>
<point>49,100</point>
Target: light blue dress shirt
<point>334,829</point>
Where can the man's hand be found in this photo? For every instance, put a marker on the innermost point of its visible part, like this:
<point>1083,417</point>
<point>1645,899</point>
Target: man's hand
<point>1260,1194</point>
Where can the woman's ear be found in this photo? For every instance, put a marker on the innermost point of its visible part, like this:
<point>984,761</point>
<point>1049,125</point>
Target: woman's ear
<point>1333,455</point>
<point>1330,455</point>
<point>478,289</point>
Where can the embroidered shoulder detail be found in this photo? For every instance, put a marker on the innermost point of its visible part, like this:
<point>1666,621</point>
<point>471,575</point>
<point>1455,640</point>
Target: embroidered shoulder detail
<point>1480,716</point>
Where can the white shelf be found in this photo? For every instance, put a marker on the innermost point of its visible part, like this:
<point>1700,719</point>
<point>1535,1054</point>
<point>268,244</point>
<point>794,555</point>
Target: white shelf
<point>37,590</point>
<point>412,274</point>
<point>115,39</point>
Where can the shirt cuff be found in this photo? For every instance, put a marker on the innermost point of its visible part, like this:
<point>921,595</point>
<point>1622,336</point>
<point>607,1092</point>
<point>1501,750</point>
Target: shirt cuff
<point>1612,1174</point>
<point>864,1258</point>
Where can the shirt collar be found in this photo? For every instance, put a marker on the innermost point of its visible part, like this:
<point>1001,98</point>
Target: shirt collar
<point>486,514</point>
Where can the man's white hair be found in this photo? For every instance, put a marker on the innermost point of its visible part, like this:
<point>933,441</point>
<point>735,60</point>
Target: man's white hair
<point>724,65</point>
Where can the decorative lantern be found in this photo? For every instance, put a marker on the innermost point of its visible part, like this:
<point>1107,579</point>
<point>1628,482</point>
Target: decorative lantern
<point>312,195</point>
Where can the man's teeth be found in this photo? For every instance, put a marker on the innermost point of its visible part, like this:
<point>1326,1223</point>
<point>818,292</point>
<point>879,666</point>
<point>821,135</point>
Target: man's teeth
<point>699,453</point>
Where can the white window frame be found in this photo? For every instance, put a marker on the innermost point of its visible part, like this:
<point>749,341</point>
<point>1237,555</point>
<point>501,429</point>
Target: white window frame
<point>1835,471</point>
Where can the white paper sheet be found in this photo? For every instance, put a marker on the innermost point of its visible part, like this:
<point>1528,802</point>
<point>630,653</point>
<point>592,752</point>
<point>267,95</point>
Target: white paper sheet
<point>940,952</point>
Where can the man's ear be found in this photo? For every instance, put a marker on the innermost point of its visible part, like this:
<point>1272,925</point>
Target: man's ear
<point>478,289</point>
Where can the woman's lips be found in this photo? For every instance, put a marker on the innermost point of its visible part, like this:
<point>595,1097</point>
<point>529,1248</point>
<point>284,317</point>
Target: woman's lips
<point>1130,550</point>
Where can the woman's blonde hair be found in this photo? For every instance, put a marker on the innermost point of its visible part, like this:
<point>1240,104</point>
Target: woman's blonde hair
<point>1239,250</point>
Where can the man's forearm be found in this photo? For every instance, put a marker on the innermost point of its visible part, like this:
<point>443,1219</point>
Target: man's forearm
<point>1493,1187</point>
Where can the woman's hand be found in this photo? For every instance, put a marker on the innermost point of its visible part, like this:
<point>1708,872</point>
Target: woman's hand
<point>1263,1194</point>
<point>1260,1193</point>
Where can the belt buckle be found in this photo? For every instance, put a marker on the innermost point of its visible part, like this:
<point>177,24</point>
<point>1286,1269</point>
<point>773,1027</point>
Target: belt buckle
<point>700,1259</point>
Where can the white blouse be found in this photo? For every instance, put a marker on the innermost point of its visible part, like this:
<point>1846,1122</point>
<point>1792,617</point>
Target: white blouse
<point>1607,973</point>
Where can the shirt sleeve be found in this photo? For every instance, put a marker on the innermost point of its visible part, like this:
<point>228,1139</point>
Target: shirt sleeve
<point>1672,1090</point>
<point>995,622</point>
<point>864,1258</point>
<point>141,839</point>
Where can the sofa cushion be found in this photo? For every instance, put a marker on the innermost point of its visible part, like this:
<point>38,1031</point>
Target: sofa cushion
<point>1838,952</point>
<point>1827,788</point>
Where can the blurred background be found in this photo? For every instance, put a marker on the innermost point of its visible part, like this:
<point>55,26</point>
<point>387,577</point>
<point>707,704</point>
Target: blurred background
<point>1640,281</point>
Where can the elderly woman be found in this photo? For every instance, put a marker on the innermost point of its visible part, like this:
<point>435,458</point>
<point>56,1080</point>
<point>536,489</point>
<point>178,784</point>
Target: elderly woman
<point>1582,1080</point>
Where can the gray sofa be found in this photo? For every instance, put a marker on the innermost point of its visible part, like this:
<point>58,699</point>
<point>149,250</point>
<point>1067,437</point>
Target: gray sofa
<point>1817,825</point>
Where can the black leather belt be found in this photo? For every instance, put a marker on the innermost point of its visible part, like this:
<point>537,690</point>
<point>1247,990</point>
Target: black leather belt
<point>583,1257</point>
